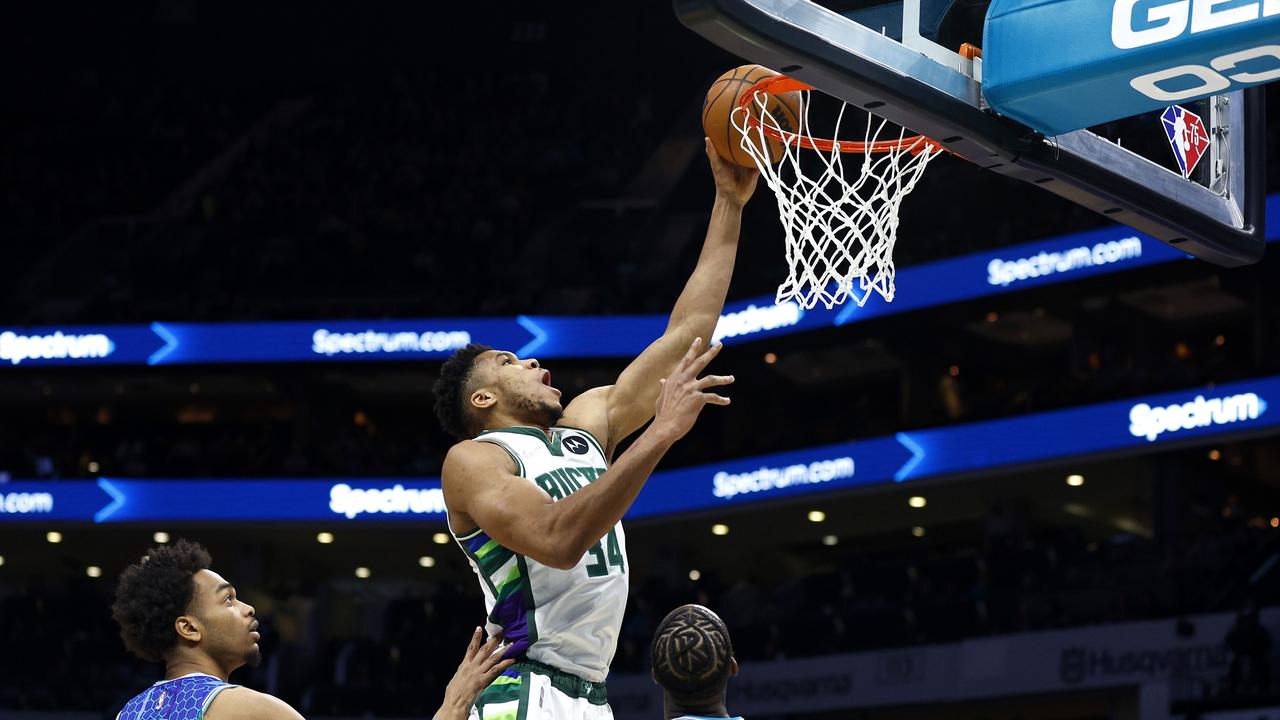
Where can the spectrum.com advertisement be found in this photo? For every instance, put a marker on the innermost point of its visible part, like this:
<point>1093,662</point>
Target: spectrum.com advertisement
<point>1009,269</point>
<point>1132,426</point>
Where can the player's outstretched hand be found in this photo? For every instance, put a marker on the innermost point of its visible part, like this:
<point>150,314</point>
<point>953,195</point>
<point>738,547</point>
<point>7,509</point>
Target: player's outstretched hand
<point>479,667</point>
<point>733,183</point>
<point>684,394</point>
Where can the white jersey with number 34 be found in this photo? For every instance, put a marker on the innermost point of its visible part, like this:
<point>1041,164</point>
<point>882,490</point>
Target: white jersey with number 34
<point>568,619</point>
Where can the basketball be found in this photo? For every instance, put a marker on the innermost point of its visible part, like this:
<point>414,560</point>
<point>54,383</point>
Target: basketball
<point>723,97</point>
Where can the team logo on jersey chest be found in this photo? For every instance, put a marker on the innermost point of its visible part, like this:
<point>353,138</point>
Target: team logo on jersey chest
<point>575,445</point>
<point>563,482</point>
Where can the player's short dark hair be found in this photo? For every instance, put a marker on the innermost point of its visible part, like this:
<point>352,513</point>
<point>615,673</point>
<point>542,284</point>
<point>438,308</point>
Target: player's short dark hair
<point>154,592</point>
<point>691,654</point>
<point>451,391</point>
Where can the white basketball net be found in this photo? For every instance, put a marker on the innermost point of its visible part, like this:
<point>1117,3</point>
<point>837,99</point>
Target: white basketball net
<point>840,230</point>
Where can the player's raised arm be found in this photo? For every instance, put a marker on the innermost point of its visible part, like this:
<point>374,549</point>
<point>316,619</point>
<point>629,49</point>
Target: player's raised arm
<point>616,411</point>
<point>479,478</point>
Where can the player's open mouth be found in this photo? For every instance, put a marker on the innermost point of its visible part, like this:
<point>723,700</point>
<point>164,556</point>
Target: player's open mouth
<point>546,380</point>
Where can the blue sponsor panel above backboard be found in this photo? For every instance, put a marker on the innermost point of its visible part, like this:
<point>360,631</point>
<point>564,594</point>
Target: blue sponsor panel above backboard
<point>1112,60</point>
<point>930,89</point>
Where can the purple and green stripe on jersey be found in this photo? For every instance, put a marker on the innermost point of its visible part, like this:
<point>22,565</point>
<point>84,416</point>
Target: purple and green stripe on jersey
<point>513,598</point>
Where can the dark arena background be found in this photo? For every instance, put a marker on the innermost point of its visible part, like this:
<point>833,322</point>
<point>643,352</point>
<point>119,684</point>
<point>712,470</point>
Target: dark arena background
<point>239,239</point>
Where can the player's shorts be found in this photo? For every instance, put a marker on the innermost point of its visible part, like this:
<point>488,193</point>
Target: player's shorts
<point>531,690</point>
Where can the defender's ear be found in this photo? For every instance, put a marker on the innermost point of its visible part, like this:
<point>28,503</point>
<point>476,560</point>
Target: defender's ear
<point>188,628</point>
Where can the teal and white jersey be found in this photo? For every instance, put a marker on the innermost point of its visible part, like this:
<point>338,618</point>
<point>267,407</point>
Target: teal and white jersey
<point>184,698</point>
<point>568,619</point>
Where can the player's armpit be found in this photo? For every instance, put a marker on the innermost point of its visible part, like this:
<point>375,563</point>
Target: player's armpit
<point>478,481</point>
<point>590,411</point>
<point>241,703</point>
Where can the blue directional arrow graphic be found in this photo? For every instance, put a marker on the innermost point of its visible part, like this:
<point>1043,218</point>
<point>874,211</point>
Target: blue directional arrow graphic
<point>917,454</point>
<point>170,344</point>
<point>117,501</point>
<point>539,335</point>
<point>845,314</point>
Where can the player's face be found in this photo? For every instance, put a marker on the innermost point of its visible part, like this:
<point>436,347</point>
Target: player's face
<point>522,387</point>
<point>230,629</point>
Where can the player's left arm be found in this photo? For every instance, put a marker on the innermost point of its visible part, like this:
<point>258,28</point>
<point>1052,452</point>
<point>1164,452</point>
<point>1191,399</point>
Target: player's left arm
<point>616,411</point>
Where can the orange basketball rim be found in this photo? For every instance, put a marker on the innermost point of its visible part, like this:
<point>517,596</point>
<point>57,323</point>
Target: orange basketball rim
<point>914,144</point>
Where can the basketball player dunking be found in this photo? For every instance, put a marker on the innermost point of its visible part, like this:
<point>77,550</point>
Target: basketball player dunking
<point>535,499</point>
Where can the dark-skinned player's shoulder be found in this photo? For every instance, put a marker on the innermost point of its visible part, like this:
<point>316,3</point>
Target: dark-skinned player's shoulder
<point>473,456</point>
<point>240,702</point>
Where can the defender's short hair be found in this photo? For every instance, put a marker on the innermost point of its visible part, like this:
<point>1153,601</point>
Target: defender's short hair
<point>691,655</point>
<point>154,592</point>
<point>451,391</point>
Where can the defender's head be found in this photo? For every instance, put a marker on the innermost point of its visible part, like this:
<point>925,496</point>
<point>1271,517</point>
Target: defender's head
<point>692,658</point>
<point>480,387</point>
<point>170,603</point>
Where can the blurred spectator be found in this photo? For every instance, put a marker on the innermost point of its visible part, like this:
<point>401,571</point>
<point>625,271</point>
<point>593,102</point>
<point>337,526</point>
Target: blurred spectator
<point>1250,646</point>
